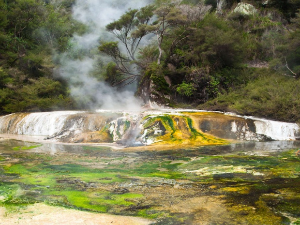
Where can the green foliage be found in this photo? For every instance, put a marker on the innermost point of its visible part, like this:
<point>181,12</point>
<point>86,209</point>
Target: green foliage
<point>293,47</point>
<point>270,95</point>
<point>126,22</point>
<point>195,56</point>
<point>220,44</point>
<point>214,86</point>
<point>148,55</point>
<point>156,75</point>
<point>203,64</point>
<point>112,75</point>
<point>186,89</point>
<point>125,29</point>
<point>30,31</point>
<point>211,56</point>
<point>43,94</point>
<point>56,30</point>
<point>4,78</point>
<point>110,48</point>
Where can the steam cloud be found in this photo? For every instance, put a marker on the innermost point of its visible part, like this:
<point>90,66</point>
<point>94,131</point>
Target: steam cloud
<point>86,89</point>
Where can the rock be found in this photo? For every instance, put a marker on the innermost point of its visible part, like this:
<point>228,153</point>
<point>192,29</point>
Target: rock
<point>221,4</point>
<point>120,190</point>
<point>258,64</point>
<point>245,9</point>
<point>224,4</point>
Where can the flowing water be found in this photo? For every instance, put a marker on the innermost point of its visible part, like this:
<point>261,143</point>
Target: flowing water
<point>246,182</point>
<point>145,127</point>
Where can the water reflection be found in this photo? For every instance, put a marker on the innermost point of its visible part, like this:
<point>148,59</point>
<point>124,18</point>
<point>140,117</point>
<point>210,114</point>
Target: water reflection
<point>264,148</point>
<point>249,148</point>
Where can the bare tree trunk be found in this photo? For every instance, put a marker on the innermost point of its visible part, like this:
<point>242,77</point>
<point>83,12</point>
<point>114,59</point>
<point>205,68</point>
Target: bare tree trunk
<point>221,4</point>
<point>287,66</point>
<point>160,50</point>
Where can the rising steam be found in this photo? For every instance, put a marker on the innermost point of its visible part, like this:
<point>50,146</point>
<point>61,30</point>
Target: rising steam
<point>86,89</point>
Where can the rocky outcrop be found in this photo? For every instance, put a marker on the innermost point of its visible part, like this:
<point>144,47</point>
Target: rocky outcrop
<point>245,9</point>
<point>147,127</point>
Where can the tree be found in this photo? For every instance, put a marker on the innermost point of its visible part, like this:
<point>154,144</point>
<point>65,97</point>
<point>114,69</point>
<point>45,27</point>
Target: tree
<point>293,48</point>
<point>171,15</point>
<point>29,32</point>
<point>136,24</point>
<point>122,30</point>
<point>24,17</point>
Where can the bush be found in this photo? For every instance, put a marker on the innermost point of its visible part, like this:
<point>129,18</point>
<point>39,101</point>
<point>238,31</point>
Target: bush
<point>270,95</point>
<point>186,89</point>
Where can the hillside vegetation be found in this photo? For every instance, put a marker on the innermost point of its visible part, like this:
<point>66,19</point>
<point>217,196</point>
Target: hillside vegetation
<point>31,32</point>
<point>228,55</point>
<point>241,56</point>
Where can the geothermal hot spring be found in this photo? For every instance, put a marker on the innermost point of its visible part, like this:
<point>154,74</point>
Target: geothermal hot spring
<point>148,167</point>
<point>163,167</point>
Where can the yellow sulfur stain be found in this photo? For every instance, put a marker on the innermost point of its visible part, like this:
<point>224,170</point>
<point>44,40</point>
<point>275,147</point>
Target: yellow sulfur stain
<point>181,130</point>
<point>240,190</point>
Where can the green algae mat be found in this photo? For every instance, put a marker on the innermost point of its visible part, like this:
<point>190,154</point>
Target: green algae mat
<point>246,183</point>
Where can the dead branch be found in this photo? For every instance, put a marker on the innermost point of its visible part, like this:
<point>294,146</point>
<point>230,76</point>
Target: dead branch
<point>287,66</point>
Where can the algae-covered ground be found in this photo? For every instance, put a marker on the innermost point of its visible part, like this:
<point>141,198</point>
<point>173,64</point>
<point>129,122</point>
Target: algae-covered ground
<point>246,183</point>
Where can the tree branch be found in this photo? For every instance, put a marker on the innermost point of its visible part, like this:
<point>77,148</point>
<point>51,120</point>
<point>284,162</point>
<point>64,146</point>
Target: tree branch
<point>287,66</point>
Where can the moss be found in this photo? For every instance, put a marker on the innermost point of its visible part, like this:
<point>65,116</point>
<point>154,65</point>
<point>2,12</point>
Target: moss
<point>19,148</point>
<point>17,168</point>
<point>246,198</point>
<point>149,213</point>
<point>99,201</point>
<point>261,214</point>
<point>80,200</point>
<point>239,190</point>
<point>7,192</point>
<point>170,166</point>
<point>11,198</point>
<point>287,201</point>
<point>126,125</point>
<point>106,136</point>
<point>59,181</point>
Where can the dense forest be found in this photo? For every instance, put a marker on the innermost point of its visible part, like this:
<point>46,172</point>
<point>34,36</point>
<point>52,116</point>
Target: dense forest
<point>30,32</point>
<point>227,55</point>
